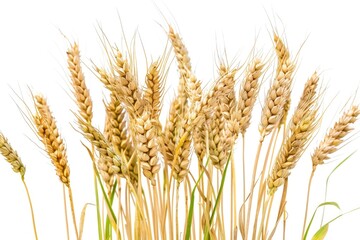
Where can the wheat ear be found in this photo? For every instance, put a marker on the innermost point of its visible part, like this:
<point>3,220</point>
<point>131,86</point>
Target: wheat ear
<point>335,136</point>
<point>248,93</point>
<point>80,89</point>
<point>11,156</point>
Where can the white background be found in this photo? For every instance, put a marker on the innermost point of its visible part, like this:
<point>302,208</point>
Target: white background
<point>33,54</point>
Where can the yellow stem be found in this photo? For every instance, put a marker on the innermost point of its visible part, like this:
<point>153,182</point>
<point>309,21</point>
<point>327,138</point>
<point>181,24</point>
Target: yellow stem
<point>307,200</point>
<point>73,211</point>
<point>31,208</point>
<point>66,215</point>
<point>252,188</point>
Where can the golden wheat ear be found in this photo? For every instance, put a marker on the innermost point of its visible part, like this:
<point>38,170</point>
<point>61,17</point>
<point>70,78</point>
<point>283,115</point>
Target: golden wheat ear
<point>11,156</point>
<point>49,134</point>
<point>335,136</point>
<point>248,93</point>
<point>80,90</point>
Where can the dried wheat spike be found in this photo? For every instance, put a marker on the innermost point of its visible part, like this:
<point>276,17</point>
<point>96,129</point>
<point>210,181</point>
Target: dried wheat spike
<point>109,162</point>
<point>248,93</point>
<point>216,128</point>
<point>286,67</point>
<point>282,52</point>
<point>273,109</point>
<point>292,149</point>
<point>301,127</point>
<point>180,50</point>
<point>81,92</point>
<point>153,91</point>
<point>116,131</point>
<point>169,134</point>
<point>307,100</point>
<point>147,145</point>
<point>181,156</point>
<point>180,160</point>
<point>127,86</point>
<point>49,134</point>
<point>184,67</point>
<point>217,121</point>
<point>11,156</point>
<point>335,136</point>
<point>193,88</point>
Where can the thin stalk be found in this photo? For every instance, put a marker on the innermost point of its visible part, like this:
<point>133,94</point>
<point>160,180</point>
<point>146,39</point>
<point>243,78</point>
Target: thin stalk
<point>31,208</point>
<point>233,199</point>
<point>263,215</point>
<point>307,200</point>
<point>244,185</point>
<point>153,208</point>
<point>268,210</point>
<point>262,184</point>
<point>98,216</point>
<point>177,211</point>
<point>252,188</point>
<point>73,211</point>
<point>156,202</point>
<point>66,216</point>
<point>128,214</point>
<point>284,223</point>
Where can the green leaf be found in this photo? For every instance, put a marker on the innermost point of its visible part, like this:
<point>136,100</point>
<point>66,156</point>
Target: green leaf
<point>191,207</point>
<point>321,233</point>
<point>335,204</point>
<point>327,182</point>
<point>218,197</point>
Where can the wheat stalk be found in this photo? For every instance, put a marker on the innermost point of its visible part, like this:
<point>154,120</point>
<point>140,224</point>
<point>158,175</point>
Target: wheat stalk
<point>49,134</point>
